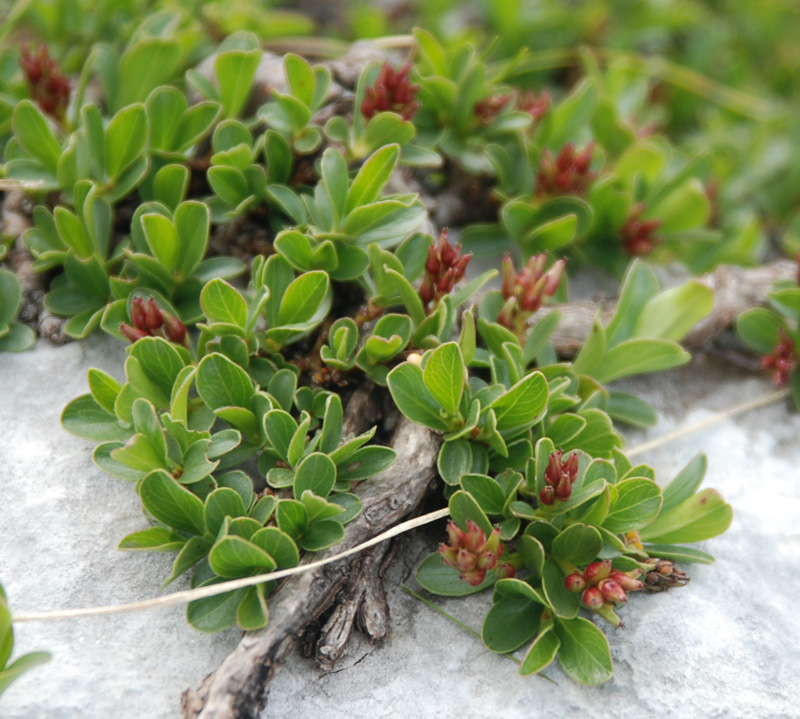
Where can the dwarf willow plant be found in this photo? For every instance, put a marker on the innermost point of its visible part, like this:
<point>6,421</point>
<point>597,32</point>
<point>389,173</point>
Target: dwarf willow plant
<point>226,419</point>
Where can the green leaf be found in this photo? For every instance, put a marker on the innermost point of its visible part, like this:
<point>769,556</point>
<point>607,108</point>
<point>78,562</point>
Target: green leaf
<point>592,351</point>
<point>563,602</point>
<point>678,553</point>
<point>85,418</point>
<point>155,539</point>
<point>193,551</point>
<point>463,507</point>
<point>292,517</point>
<point>408,295</point>
<point>125,139</point>
<point>510,622</point>
<point>436,577</point>
<point>638,503</point>
<point>278,545</point>
<point>672,313</point>
<point>171,503</point>
<point>35,135</point>
<point>631,409</point>
<point>300,77</point>
<point>221,383</point>
<point>213,614</point>
<point>303,298</point>
<point>639,285</point>
<point>21,665</point>
<point>145,65</point>
<point>541,653</point>
<point>19,338</point>
<point>162,239</point>
<point>577,544</point>
<point>253,612</point>
<point>316,472</point>
<point>685,483</point>
<point>413,398</point>
<point>455,460</point>
<point>584,652</point>
<point>235,70</point>
<point>702,516</point>
<point>223,502</point>
<point>485,491</point>
<point>758,329</point>
<point>444,376</point>
<point>372,176</point>
<point>233,557</point>
<point>222,303</point>
<point>365,463</point>
<point>321,535</point>
<point>639,356</point>
<point>522,405</point>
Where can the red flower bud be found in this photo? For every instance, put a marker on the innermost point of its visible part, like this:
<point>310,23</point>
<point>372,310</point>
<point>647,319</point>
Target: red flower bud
<point>132,333</point>
<point>628,583</point>
<point>447,252</point>
<point>460,266</point>
<point>139,314</point>
<point>612,591</point>
<point>547,496</point>
<point>427,291</point>
<point>487,560</point>
<point>592,598</point>
<point>553,472</point>
<point>564,488</point>
<point>474,577</point>
<point>465,560</point>
<point>174,329</point>
<point>597,571</point>
<point>153,315</point>
<point>509,277</point>
<point>575,583</point>
<point>476,539</point>
<point>432,264</point>
<point>505,571</point>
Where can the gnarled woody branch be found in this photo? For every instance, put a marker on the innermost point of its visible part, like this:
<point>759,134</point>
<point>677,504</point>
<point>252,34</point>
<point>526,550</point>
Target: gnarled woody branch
<point>237,689</point>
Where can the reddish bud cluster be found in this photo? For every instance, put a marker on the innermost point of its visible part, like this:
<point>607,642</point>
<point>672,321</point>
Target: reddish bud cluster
<point>444,267</point>
<point>393,92</point>
<point>638,236</point>
<point>473,555</point>
<point>46,83</point>
<point>525,292</point>
<point>151,321</point>
<point>568,173</point>
<point>602,588</point>
<point>536,107</point>
<point>490,107</point>
<point>783,361</point>
<point>559,477</point>
<point>664,575</point>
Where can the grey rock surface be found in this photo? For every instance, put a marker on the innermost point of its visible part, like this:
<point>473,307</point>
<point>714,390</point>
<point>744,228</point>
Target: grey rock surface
<point>724,646</point>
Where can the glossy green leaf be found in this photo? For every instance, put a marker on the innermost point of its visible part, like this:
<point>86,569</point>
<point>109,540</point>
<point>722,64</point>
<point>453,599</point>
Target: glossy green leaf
<point>233,557</point>
<point>637,504</point>
<point>639,356</point>
<point>125,140</point>
<point>584,652</point>
<point>463,507</point>
<point>578,544</point>
<point>221,383</point>
<point>35,135</point>
<point>444,376</point>
<point>413,398</point>
<point>522,405</point>
<point>702,516</point>
<point>541,653</point>
<point>171,503</point>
